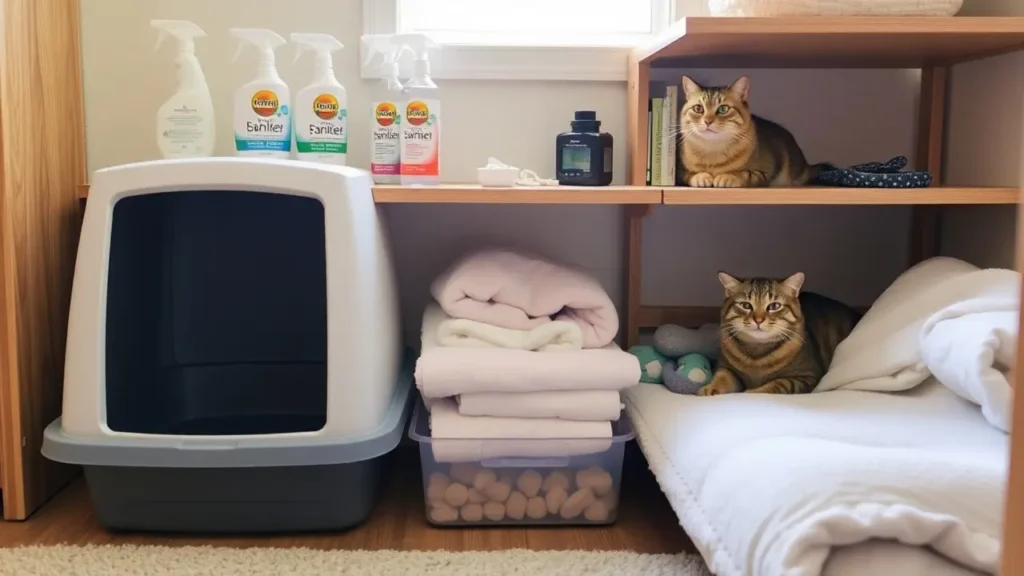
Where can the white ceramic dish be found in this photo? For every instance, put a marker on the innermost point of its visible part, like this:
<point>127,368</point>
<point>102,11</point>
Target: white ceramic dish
<point>494,177</point>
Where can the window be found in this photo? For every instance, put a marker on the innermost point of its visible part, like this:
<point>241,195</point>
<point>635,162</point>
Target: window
<point>522,39</point>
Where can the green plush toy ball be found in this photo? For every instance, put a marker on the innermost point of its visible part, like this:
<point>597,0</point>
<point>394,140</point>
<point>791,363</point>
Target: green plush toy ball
<point>652,363</point>
<point>692,373</point>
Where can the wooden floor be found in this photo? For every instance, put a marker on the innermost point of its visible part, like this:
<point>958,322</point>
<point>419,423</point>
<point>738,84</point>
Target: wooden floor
<point>646,523</point>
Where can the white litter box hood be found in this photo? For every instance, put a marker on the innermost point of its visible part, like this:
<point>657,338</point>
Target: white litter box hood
<point>362,326</point>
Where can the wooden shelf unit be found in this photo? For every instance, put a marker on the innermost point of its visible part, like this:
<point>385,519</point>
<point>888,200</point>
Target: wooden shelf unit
<point>474,194</point>
<point>471,193</point>
<point>824,196</point>
<point>680,195</point>
<point>932,44</point>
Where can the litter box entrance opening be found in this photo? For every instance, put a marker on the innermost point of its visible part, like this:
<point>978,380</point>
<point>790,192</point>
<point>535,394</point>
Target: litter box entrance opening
<point>216,314</point>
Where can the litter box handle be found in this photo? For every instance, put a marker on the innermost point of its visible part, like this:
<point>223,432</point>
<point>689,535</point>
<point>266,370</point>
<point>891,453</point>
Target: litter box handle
<point>525,462</point>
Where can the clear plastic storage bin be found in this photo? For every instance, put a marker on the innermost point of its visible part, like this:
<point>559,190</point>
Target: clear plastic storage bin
<point>511,482</point>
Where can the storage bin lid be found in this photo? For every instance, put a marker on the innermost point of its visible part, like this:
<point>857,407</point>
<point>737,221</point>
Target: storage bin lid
<point>301,449</point>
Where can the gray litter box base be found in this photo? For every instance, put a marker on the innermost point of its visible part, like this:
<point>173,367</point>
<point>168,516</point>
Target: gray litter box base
<point>236,500</point>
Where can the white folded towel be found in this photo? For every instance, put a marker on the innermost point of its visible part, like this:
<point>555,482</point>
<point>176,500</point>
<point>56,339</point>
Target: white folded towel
<point>592,405</point>
<point>444,371</point>
<point>551,337</point>
<point>458,438</point>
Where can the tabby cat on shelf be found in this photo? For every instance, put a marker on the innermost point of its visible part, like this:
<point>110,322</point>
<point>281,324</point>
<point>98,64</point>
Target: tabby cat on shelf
<point>725,146</point>
<point>774,338</point>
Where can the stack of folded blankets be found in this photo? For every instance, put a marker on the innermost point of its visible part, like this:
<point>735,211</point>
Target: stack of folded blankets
<point>516,350</point>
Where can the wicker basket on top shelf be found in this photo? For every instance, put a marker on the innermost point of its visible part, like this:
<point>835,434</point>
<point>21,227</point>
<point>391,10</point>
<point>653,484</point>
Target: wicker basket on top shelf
<point>834,7</point>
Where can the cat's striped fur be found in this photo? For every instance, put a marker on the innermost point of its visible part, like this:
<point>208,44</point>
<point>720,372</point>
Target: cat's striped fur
<point>724,145</point>
<point>776,339</point>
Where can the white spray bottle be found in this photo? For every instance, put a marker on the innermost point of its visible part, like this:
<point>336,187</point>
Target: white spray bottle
<point>321,108</point>
<point>387,104</point>
<point>421,133</point>
<point>184,124</point>
<point>263,125</point>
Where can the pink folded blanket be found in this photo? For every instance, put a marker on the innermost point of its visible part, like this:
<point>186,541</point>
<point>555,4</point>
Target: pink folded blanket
<point>520,292</point>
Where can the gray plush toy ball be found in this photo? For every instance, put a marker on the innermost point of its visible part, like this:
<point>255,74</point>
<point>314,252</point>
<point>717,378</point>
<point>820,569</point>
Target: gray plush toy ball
<point>675,341</point>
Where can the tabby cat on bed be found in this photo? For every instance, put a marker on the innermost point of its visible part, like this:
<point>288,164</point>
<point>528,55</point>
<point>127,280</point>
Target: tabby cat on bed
<point>725,146</point>
<point>774,338</point>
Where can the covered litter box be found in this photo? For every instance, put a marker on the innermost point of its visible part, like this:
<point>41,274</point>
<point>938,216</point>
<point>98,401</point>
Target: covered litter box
<point>233,361</point>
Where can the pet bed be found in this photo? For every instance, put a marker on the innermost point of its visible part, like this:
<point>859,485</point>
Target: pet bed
<point>809,484</point>
<point>888,174</point>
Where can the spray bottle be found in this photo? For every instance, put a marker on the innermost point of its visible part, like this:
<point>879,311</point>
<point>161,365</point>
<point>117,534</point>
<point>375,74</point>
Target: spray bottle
<point>184,124</point>
<point>321,108</point>
<point>263,124</point>
<point>421,134</point>
<point>387,99</point>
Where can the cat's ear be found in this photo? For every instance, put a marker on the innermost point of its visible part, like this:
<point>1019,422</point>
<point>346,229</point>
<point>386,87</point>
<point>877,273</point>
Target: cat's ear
<point>730,283</point>
<point>690,88</point>
<point>740,88</point>
<point>794,283</point>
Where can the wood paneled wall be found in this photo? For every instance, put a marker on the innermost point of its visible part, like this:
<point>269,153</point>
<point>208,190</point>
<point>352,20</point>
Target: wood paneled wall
<point>42,143</point>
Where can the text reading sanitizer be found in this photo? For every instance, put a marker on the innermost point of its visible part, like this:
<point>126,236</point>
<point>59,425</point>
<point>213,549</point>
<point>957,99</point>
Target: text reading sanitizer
<point>263,122</point>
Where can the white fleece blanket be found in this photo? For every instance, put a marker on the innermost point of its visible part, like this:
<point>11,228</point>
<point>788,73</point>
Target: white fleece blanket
<point>943,317</point>
<point>774,485</point>
<point>585,405</point>
<point>443,371</point>
<point>458,438</point>
<point>550,337</point>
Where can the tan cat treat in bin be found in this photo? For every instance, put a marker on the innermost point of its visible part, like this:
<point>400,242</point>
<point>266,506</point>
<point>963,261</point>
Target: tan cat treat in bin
<point>515,506</point>
<point>472,512</point>
<point>597,479</point>
<point>556,478</point>
<point>494,511</point>
<point>483,478</point>
<point>775,338</point>
<point>555,498</point>
<point>724,145</point>
<point>536,508</point>
<point>456,495</point>
<point>436,487</point>
<point>577,502</point>
<point>442,513</point>
<point>497,491</point>
<point>529,483</point>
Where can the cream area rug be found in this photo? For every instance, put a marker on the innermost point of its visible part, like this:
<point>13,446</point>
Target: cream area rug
<point>211,561</point>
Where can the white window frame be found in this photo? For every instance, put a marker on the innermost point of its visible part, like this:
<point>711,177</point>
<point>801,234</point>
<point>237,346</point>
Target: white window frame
<point>512,62</point>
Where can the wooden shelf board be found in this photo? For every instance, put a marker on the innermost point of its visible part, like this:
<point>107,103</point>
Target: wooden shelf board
<point>841,196</point>
<point>474,194</point>
<point>831,41</point>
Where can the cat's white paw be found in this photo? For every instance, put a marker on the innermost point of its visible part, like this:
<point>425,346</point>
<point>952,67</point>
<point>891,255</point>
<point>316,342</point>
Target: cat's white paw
<point>729,181</point>
<point>702,180</point>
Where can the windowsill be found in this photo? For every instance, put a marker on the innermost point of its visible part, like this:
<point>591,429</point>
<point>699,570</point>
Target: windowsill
<point>462,62</point>
<point>559,58</point>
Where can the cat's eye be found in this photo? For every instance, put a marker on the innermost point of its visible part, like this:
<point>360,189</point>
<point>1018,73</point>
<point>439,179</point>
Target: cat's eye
<point>774,306</point>
<point>723,109</point>
<point>698,109</point>
<point>745,306</point>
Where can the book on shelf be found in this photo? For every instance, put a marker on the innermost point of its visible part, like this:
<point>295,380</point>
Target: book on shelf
<point>649,147</point>
<point>657,111</point>
<point>662,137</point>
<point>669,137</point>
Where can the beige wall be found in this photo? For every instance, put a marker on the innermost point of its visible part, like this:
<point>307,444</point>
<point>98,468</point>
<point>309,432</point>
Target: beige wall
<point>125,82</point>
<point>985,146</point>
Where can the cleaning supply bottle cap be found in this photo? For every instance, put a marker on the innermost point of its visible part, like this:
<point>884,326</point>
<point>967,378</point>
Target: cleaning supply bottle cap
<point>265,40</point>
<point>320,44</point>
<point>184,32</point>
<point>585,121</point>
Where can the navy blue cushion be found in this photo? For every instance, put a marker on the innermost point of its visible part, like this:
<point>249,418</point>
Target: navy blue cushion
<point>874,175</point>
